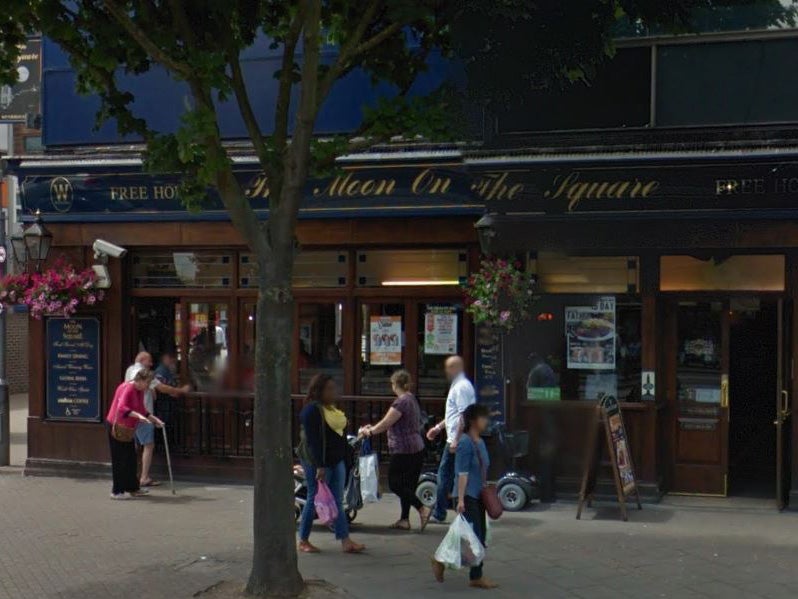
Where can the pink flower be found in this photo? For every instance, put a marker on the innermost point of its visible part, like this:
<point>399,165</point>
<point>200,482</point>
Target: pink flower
<point>504,316</point>
<point>91,300</point>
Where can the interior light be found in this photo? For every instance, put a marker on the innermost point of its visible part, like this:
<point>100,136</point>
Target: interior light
<point>424,283</point>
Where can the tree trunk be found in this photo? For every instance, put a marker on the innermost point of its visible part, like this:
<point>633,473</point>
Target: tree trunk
<point>274,562</point>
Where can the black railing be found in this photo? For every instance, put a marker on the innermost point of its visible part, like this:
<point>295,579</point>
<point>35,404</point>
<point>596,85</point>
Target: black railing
<point>220,424</point>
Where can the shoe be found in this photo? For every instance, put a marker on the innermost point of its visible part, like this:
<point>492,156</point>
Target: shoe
<point>139,493</point>
<point>483,583</point>
<point>306,547</point>
<point>352,547</point>
<point>437,569</point>
<point>436,520</point>
<point>120,496</point>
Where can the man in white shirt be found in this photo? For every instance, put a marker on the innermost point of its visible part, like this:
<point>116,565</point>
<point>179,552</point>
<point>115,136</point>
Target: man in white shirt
<point>145,431</point>
<point>461,395</point>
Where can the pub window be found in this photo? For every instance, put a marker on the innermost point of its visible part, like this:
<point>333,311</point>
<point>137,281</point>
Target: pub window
<point>209,344</point>
<point>722,273</point>
<point>576,347</point>
<point>558,273</point>
<point>439,336</point>
<point>158,326</point>
<point>320,343</point>
<point>311,269</point>
<point>407,268</point>
<point>165,269</point>
<point>382,346</point>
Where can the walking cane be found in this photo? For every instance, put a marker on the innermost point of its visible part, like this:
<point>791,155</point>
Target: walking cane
<point>168,459</point>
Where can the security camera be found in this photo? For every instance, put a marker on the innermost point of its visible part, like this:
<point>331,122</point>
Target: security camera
<point>103,249</point>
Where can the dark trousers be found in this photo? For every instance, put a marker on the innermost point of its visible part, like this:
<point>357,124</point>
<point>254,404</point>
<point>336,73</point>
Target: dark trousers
<point>124,465</point>
<point>475,514</point>
<point>445,484</point>
<point>403,473</point>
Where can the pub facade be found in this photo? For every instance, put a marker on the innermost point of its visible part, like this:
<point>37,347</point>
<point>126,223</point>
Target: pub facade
<point>656,209</point>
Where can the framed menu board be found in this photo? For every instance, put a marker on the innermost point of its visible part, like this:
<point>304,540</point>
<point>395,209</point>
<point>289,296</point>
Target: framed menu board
<point>73,369</point>
<point>489,372</point>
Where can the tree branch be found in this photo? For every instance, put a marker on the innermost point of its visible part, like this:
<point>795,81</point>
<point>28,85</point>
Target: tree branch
<point>121,16</point>
<point>247,113</point>
<point>286,82</point>
<point>377,39</point>
<point>341,62</point>
<point>282,222</point>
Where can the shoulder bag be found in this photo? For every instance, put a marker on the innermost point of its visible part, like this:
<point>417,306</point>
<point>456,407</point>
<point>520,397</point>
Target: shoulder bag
<point>120,432</point>
<point>488,495</point>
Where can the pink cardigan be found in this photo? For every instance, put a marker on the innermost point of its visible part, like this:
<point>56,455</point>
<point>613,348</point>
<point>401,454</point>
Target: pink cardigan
<point>126,399</point>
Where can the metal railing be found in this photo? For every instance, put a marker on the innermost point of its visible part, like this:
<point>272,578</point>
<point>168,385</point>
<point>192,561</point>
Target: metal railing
<point>220,424</point>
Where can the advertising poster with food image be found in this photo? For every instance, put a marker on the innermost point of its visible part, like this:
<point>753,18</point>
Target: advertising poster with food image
<point>385,338</point>
<point>590,335</point>
<point>618,435</point>
<point>440,331</point>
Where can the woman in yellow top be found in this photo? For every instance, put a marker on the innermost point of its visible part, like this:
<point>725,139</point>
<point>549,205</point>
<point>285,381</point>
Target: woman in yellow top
<point>323,453</point>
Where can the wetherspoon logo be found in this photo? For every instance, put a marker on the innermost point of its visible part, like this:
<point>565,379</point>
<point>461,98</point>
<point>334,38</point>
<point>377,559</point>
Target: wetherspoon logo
<point>61,194</point>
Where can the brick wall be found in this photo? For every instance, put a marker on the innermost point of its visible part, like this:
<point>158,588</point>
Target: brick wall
<point>17,357</point>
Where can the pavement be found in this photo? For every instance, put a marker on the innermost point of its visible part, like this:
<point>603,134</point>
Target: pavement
<point>63,538</point>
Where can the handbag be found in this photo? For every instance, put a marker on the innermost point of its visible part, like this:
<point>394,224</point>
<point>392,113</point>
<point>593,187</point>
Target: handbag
<point>122,433</point>
<point>489,495</point>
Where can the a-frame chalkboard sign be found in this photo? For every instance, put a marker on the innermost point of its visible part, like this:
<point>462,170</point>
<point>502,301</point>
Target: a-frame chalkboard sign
<point>610,419</point>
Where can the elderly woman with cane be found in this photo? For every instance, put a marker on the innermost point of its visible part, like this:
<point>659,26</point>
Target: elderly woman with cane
<point>126,412</point>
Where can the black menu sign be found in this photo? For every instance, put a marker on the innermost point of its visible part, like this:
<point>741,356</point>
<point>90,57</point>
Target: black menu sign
<point>489,376</point>
<point>73,369</point>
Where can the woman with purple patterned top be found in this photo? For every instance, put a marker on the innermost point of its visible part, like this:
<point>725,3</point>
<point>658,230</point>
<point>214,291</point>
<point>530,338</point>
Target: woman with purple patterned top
<point>406,445</point>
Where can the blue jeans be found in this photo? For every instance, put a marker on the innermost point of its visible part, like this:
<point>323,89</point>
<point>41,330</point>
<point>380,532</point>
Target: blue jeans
<point>445,484</point>
<point>336,479</point>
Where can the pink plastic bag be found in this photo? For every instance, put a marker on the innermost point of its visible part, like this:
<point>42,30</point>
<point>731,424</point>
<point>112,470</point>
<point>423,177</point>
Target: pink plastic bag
<point>326,507</point>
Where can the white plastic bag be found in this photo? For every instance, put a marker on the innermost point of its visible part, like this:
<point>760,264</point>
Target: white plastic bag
<point>460,547</point>
<point>369,478</point>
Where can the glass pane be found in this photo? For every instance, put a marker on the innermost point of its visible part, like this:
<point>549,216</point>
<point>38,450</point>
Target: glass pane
<point>596,104</point>
<point>158,326</point>
<point>208,344</point>
<point>576,347</point>
<point>398,268</point>
<point>246,379</point>
<point>698,371</point>
<point>439,336</point>
<point>382,346</point>
<point>182,269</point>
<point>559,273</point>
<point>712,84</point>
<point>755,273</point>
<point>311,269</point>
<point>320,330</point>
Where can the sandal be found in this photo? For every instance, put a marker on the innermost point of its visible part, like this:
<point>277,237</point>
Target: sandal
<point>424,515</point>
<point>353,547</point>
<point>151,483</point>
<point>306,547</point>
<point>400,525</point>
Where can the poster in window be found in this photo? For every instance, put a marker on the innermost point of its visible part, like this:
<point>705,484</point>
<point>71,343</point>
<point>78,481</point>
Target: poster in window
<point>590,335</point>
<point>440,331</point>
<point>385,335</point>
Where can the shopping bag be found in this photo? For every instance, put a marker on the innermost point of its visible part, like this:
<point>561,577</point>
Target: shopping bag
<point>325,504</point>
<point>460,547</point>
<point>353,500</point>
<point>368,466</point>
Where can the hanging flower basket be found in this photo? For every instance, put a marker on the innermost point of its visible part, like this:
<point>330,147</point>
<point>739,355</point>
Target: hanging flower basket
<point>59,291</point>
<point>500,294</point>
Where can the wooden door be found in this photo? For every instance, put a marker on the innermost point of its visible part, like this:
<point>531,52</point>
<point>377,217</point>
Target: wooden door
<point>698,357</point>
<point>783,403</point>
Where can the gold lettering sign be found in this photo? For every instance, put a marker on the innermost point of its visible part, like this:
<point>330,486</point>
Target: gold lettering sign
<point>575,190</point>
<point>495,186</point>
<point>349,186</point>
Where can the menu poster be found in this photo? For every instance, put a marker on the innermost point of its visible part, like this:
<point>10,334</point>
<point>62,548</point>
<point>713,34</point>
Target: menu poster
<point>590,335</point>
<point>385,335</point>
<point>489,372</point>
<point>620,445</point>
<point>440,331</point>
<point>73,368</point>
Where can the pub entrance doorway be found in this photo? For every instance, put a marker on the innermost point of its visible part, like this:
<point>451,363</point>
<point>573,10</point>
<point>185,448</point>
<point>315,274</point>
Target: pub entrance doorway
<point>729,374</point>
